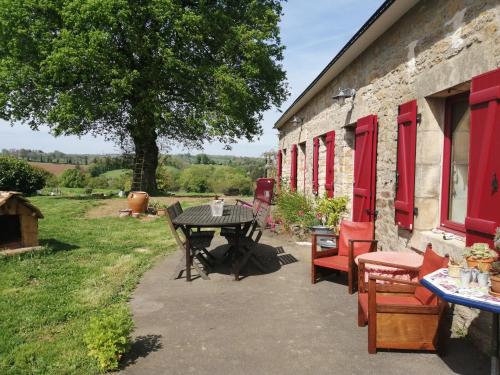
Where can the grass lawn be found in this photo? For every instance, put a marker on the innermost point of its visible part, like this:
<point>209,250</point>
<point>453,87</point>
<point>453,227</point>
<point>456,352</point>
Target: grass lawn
<point>48,297</point>
<point>75,192</point>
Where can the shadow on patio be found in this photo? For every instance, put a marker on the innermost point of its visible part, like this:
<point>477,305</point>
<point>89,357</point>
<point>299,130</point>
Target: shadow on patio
<point>273,323</point>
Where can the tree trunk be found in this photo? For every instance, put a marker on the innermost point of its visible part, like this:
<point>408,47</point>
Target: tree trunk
<point>145,163</point>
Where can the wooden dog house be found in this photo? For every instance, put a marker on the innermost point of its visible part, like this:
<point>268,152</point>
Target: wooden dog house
<point>18,221</point>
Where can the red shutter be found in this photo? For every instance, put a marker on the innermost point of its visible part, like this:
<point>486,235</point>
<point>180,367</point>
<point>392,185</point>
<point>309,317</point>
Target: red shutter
<point>483,195</point>
<point>279,161</point>
<point>365,164</point>
<point>405,173</point>
<point>330,160</point>
<point>315,165</point>
<point>293,172</point>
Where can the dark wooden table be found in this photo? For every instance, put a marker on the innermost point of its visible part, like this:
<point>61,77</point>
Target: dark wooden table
<point>234,216</point>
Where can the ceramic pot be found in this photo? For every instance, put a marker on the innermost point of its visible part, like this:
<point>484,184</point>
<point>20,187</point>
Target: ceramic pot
<point>138,201</point>
<point>495,283</point>
<point>485,266</point>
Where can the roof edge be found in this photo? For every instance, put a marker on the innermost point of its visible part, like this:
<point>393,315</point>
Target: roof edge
<point>329,72</point>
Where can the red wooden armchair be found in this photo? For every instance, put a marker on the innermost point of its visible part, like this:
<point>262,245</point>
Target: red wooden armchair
<point>402,314</point>
<point>355,238</point>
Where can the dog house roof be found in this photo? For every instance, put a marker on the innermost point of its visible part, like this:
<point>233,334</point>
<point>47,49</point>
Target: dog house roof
<point>5,196</point>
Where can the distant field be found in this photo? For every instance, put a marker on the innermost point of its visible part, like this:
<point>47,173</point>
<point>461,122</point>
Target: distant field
<point>54,168</point>
<point>115,173</point>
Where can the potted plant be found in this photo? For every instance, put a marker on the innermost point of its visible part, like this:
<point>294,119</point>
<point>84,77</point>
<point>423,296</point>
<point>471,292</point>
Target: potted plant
<point>454,267</point>
<point>329,211</point>
<point>157,208</point>
<point>480,253</point>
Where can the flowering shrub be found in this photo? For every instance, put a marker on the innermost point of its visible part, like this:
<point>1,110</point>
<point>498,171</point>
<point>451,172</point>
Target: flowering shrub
<point>330,210</point>
<point>293,208</point>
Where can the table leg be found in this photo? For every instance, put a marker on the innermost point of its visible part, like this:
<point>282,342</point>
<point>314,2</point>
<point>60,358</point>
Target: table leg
<point>188,255</point>
<point>494,345</point>
<point>236,250</point>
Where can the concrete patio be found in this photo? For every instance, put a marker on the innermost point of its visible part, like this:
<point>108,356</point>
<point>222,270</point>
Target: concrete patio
<point>277,323</point>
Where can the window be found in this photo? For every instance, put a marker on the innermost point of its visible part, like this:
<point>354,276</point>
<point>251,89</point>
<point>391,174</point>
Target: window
<point>455,162</point>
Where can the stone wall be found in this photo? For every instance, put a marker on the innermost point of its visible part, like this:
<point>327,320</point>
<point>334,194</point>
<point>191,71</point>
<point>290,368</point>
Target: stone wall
<point>436,46</point>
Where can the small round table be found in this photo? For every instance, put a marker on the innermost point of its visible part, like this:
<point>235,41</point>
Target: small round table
<point>448,288</point>
<point>389,263</point>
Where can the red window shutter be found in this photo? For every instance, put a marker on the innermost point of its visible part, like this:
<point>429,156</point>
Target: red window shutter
<point>405,172</point>
<point>483,195</point>
<point>365,169</point>
<point>315,165</point>
<point>330,159</point>
<point>279,162</point>
<point>293,172</point>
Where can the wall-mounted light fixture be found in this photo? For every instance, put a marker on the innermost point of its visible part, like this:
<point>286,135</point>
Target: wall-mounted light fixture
<point>344,93</point>
<point>297,120</point>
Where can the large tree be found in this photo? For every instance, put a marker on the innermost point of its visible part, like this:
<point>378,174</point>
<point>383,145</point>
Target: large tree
<point>142,72</point>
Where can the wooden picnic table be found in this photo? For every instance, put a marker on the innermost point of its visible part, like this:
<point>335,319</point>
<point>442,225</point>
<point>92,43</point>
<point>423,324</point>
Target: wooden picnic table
<point>234,216</point>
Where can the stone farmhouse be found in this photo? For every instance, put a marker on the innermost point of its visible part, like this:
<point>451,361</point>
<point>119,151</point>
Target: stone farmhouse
<point>405,120</point>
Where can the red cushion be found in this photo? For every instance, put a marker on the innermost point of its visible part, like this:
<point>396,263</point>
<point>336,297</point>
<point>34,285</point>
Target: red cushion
<point>387,300</point>
<point>431,263</point>
<point>337,262</point>
<point>350,230</point>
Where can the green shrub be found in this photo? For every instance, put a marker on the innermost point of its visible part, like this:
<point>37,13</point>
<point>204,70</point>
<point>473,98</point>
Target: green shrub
<point>167,178</point>
<point>294,208</point>
<point>230,181</point>
<point>108,337</point>
<point>52,181</point>
<point>195,178</point>
<point>331,209</point>
<point>122,182</point>
<point>73,178</point>
<point>18,175</point>
<point>99,182</point>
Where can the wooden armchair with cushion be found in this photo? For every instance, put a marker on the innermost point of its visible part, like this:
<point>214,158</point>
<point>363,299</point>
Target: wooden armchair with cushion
<point>402,314</point>
<point>355,238</point>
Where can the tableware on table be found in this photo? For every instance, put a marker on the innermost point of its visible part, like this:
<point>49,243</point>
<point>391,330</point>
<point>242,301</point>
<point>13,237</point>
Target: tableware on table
<point>454,270</point>
<point>473,274</point>
<point>217,207</point>
<point>465,277</point>
<point>483,279</point>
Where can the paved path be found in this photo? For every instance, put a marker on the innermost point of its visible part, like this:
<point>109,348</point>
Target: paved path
<point>276,323</point>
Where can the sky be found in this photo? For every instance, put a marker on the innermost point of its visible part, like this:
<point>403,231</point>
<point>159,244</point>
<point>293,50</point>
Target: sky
<point>313,31</point>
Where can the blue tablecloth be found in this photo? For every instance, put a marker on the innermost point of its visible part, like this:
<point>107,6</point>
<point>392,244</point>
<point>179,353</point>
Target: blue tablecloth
<point>449,289</point>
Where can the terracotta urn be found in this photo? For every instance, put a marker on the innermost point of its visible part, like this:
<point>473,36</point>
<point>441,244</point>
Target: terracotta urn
<point>138,201</point>
<point>485,263</point>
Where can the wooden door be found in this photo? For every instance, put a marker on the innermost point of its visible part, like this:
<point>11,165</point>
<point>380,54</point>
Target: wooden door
<point>483,195</point>
<point>365,166</point>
